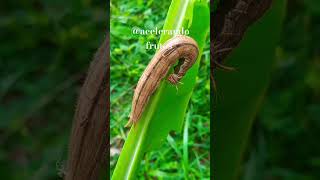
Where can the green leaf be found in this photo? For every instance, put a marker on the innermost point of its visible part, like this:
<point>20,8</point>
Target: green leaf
<point>166,109</point>
<point>241,92</point>
<point>313,6</point>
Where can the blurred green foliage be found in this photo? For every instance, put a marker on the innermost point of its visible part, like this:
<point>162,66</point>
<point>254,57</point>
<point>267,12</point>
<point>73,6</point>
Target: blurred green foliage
<point>129,58</point>
<point>285,140</point>
<point>45,50</point>
<point>240,93</point>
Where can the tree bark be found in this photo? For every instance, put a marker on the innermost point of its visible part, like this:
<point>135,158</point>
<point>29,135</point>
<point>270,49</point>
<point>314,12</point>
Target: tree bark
<point>89,141</point>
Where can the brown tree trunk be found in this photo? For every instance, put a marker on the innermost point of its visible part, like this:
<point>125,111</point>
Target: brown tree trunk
<point>89,138</point>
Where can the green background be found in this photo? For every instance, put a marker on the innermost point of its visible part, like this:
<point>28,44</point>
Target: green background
<point>284,142</point>
<point>45,51</point>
